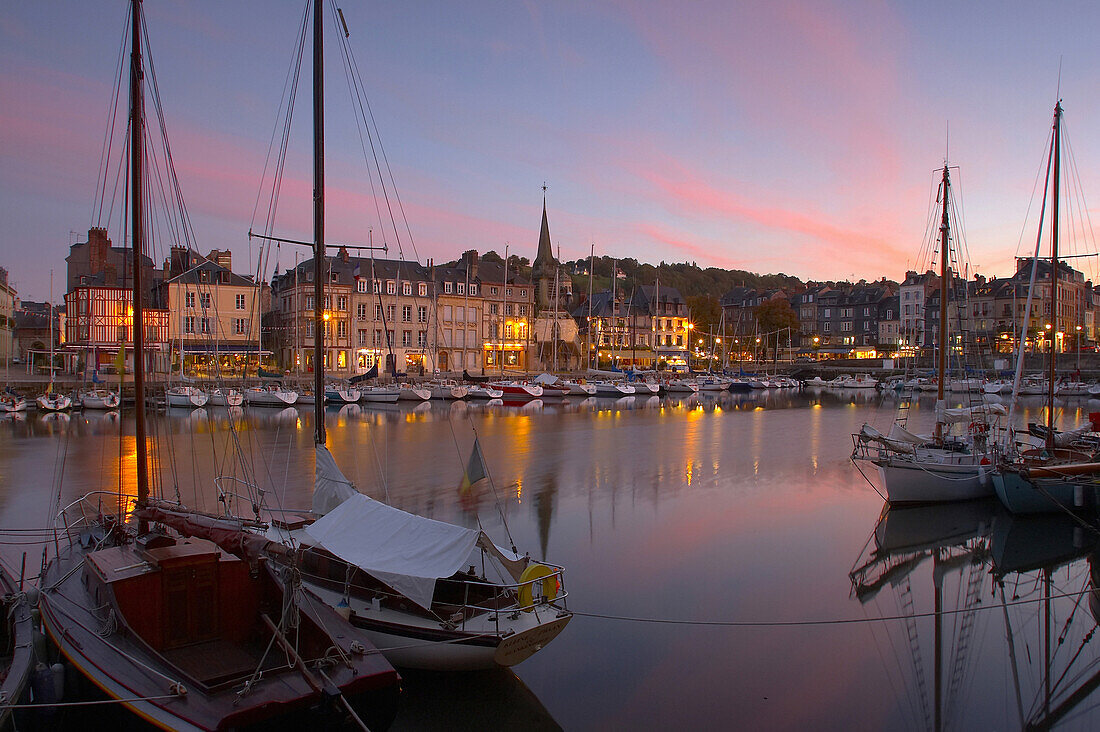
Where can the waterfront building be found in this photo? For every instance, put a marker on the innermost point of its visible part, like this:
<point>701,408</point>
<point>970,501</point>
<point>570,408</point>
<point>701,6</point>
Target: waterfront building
<point>376,311</point>
<point>8,297</point>
<point>33,330</point>
<point>507,314</point>
<point>100,322</point>
<point>457,328</point>
<point>214,324</point>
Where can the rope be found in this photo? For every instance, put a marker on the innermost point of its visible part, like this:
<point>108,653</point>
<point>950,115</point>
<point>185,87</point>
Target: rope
<point>815,622</point>
<point>94,703</point>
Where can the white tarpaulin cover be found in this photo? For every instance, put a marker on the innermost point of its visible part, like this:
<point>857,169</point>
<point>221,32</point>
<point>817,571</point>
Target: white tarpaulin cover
<point>331,488</point>
<point>543,379</point>
<point>407,552</point>
<point>969,414</point>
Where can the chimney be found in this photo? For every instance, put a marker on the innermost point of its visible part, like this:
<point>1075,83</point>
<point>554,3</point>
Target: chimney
<point>469,259</point>
<point>98,244</point>
<point>344,256</point>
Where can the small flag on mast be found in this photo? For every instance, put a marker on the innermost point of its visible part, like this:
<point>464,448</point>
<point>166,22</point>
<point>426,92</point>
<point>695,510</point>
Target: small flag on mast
<point>475,471</point>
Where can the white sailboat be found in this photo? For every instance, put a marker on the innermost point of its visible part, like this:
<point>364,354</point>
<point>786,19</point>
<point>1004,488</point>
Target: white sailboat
<point>51,401</point>
<point>938,467</point>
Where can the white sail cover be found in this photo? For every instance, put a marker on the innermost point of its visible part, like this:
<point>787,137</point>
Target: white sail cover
<point>407,552</point>
<point>330,487</point>
<point>978,413</point>
<point>543,379</point>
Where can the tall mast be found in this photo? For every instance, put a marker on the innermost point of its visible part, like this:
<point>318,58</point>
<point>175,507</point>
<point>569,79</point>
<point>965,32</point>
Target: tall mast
<point>554,326</point>
<point>1054,272</point>
<point>318,222</point>
<point>591,260</point>
<point>945,243</point>
<point>504,310</point>
<point>137,226</point>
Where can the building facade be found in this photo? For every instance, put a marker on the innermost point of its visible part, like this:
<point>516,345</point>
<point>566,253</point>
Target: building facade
<point>8,297</point>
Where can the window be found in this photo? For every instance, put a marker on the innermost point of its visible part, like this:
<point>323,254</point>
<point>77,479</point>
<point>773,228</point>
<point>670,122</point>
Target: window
<point>827,313</point>
<point>205,325</point>
<point>204,300</point>
<point>406,288</point>
<point>471,314</point>
<point>494,308</point>
<point>406,313</point>
<point>376,338</point>
<point>509,309</point>
<point>341,359</point>
<point>342,328</point>
<point>377,288</point>
<point>866,312</point>
<point>422,314</point>
<point>494,290</point>
<point>447,288</point>
<point>460,287</point>
<point>406,337</point>
<point>391,313</point>
<point>361,337</point>
<point>361,311</point>
<point>240,302</point>
<point>508,293</point>
<point>240,326</point>
<point>473,289</point>
<point>342,302</point>
<point>421,337</point>
<point>523,310</point>
<point>391,287</point>
<point>422,288</point>
<point>446,312</point>
<point>189,299</point>
<point>377,312</point>
<point>309,302</point>
<point>389,337</point>
<point>360,285</point>
<point>460,314</point>
<point>523,293</point>
<point>679,340</point>
<point>826,327</point>
<point>189,324</point>
<point>328,302</point>
<point>508,330</point>
<point>309,329</point>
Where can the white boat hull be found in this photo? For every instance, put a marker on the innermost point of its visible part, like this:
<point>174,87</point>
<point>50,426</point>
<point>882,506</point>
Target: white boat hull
<point>381,395</point>
<point>190,398</point>
<point>54,402</point>
<point>108,401</point>
<point>271,398</point>
<point>908,481</point>
<point>226,398</point>
<point>414,394</point>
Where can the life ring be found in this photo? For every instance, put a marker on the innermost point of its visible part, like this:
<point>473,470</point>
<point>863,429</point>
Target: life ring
<point>536,573</point>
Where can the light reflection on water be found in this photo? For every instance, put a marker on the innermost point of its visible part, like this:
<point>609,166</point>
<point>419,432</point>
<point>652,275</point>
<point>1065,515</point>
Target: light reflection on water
<point>738,508</point>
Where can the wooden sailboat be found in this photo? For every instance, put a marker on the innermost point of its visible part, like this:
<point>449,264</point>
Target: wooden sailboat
<point>1052,477</point>
<point>51,401</point>
<point>16,638</point>
<point>409,582</point>
<point>940,467</point>
<point>199,633</point>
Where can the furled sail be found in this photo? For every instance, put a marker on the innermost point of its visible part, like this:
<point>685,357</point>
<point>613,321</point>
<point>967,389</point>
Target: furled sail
<point>330,488</point>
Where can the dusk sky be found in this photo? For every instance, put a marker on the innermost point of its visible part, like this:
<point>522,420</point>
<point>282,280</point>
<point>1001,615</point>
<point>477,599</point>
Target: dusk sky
<point>790,137</point>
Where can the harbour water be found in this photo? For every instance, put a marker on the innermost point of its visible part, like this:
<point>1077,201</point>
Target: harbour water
<point>738,522</point>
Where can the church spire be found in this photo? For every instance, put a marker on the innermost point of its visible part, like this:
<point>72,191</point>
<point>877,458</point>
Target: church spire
<point>544,259</point>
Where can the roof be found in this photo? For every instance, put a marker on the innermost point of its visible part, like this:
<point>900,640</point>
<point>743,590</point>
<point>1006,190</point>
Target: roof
<point>545,257</point>
<point>193,276</point>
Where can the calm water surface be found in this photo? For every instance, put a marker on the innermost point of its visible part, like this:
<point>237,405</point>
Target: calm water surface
<point>743,509</point>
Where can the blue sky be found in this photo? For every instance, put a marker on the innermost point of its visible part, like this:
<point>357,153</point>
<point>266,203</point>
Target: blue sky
<point>799,137</point>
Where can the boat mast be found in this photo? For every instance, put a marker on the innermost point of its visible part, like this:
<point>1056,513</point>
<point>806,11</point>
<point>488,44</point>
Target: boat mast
<point>503,310</point>
<point>554,326</point>
<point>318,222</point>
<point>1054,273</point>
<point>137,232</point>
<point>591,260</point>
<point>945,243</point>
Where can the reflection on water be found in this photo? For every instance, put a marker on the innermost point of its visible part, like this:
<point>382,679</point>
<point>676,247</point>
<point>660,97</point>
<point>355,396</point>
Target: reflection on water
<point>694,507</point>
<point>984,604</point>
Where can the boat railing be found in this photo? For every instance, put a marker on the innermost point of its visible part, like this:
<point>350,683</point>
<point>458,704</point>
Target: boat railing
<point>555,602</point>
<point>87,516</point>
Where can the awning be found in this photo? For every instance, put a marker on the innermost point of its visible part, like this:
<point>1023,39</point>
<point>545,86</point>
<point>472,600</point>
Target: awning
<point>407,552</point>
<point>223,350</point>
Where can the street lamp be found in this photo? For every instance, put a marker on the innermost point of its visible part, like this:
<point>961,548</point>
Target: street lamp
<point>1078,328</point>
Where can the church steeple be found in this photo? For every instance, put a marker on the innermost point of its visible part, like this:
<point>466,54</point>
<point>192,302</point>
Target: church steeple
<point>542,269</point>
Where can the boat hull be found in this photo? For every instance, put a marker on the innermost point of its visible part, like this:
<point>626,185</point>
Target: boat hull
<point>271,398</point>
<point>914,482</point>
<point>1023,495</point>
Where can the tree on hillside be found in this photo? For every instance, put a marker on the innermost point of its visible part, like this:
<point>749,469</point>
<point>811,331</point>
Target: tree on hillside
<point>705,312</point>
<point>776,314</point>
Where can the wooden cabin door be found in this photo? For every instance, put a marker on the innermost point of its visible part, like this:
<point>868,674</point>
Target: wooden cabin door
<point>190,605</point>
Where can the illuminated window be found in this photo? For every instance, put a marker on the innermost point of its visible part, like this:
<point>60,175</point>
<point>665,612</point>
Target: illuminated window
<point>342,360</point>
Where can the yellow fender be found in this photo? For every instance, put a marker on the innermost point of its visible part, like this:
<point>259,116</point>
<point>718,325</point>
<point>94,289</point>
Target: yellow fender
<point>534,573</point>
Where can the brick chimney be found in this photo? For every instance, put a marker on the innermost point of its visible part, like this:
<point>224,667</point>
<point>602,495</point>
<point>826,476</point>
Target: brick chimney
<point>469,259</point>
<point>98,244</point>
<point>344,256</point>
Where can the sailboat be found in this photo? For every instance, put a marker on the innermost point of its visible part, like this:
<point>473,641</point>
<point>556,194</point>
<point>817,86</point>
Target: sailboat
<point>16,644</point>
<point>193,633</point>
<point>51,401</point>
<point>1051,477</point>
<point>939,467</point>
<point>423,590</point>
